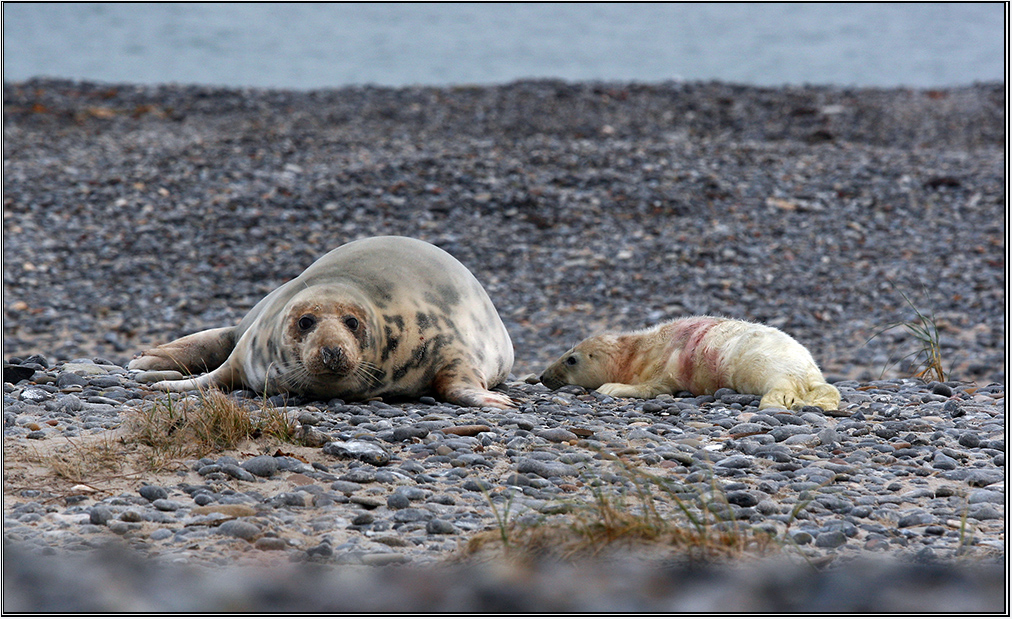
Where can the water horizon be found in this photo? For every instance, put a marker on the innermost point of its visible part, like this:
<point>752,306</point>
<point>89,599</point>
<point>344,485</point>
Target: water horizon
<point>310,46</point>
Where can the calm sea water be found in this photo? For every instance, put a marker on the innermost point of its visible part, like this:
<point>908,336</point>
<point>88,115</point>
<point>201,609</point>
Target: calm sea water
<point>319,45</point>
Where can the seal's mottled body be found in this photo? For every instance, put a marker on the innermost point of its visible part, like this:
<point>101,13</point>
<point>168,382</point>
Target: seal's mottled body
<point>699,354</point>
<point>380,317</point>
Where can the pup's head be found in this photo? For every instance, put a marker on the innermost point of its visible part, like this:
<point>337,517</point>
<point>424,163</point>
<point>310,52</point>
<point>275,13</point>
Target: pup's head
<point>588,364</point>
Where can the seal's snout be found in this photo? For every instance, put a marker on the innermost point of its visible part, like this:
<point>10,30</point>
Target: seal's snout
<point>550,380</point>
<point>332,357</point>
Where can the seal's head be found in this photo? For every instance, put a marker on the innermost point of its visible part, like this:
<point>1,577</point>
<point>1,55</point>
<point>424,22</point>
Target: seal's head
<point>324,334</point>
<point>588,364</point>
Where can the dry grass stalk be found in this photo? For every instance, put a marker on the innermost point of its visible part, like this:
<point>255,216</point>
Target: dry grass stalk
<point>651,515</point>
<point>80,460</point>
<point>176,429</point>
<point>924,329</point>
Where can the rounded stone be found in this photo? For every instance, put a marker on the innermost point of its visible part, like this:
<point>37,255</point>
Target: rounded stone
<point>398,501</point>
<point>363,518</point>
<point>969,439</point>
<point>557,435</point>
<point>153,493</point>
<point>985,511</point>
<point>437,526</point>
<point>99,514</point>
<point>261,466</point>
<point>830,539</point>
<point>233,470</point>
<point>130,516</point>
<point>742,498</point>
<point>546,469</point>
<point>238,528</point>
<point>914,519</point>
<point>66,379</point>
<point>165,505</point>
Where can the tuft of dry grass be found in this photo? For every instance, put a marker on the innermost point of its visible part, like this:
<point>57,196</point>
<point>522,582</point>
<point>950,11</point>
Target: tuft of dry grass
<point>77,461</point>
<point>654,513</point>
<point>157,437</point>
<point>928,355</point>
<point>180,428</point>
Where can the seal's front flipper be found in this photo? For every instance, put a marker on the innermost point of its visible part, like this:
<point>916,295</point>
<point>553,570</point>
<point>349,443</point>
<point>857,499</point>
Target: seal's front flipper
<point>467,389</point>
<point>825,396</point>
<point>199,352</point>
<point>641,390</point>
<point>225,378</point>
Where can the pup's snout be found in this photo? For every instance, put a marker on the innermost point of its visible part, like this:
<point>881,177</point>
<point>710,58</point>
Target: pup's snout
<point>550,381</point>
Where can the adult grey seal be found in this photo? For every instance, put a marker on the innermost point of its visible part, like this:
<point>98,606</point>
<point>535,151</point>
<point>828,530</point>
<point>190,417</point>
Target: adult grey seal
<point>388,316</point>
<point>699,354</point>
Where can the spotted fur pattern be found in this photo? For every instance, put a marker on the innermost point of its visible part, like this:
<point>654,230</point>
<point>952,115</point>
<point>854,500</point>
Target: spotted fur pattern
<point>385,317</point>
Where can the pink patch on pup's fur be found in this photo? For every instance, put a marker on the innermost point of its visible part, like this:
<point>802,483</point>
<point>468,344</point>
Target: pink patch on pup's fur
<point>695,360</point>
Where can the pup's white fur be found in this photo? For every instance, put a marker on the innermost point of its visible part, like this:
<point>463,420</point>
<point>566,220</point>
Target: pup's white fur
<point>699,354</point>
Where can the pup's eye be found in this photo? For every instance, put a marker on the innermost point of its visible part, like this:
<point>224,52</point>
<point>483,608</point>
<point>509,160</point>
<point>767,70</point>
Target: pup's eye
<point>570,360</point>
<point>351,322</point>
<point>306,322</point>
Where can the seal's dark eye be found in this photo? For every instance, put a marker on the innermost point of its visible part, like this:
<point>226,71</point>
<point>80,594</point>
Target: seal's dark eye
<point>306,322</point>
<point>351,322</point>
<point>570,360</point>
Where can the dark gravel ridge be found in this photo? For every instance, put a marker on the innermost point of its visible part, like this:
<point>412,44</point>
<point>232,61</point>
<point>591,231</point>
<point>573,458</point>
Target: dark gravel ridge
<point>78,584</point>
<point>136,214</point>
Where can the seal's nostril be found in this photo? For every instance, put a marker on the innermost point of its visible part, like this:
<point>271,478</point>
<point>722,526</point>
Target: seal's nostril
<point>331,355</point>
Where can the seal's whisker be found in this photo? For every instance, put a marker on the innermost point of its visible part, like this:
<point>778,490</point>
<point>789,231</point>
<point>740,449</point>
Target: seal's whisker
<point>294,376</point>
<point>369,374</point>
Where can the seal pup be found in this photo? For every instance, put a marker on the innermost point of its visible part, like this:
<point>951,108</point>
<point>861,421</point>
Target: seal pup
<point>699,354</point>
<point>386,317</point>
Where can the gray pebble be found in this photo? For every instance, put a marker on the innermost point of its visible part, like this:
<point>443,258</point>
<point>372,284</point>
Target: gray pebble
<point>160,534</point>
<point>261,466</point>
<point>943,462</point>
<point>748,428</point>
<point>969,439</point>
<point>130,515</point>
<point>784,432</point>
<point>412,514</point>
<point>347,487</point>
<point>742,498</point>
<point>437,526</point>
<point>398,501</point>
<point>363,518</point>
<point>914,519</point>
<point>830,539</point>
<point>66,379</point>
<point>153,493</point>
<point>734,462</point>
<point>99,514</point>
<point>557,435</point>
<point>166,505</point>
<point>238,528</point>
<point>370,453</point>
<point>407,432</point>
<point>985,511</point>
<point>234,470</point>
<point>985,477</point>
<point>546,469</point>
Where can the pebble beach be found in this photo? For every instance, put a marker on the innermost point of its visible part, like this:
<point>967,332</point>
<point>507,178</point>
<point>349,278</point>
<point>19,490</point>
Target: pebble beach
<point>135,215</point>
